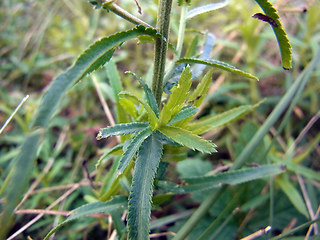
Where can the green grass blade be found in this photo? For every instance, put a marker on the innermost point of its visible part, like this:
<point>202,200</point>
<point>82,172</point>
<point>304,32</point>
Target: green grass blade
<point>283,41</point>
<point>201,90</point>
<point>18,180</point>
<point>209,123</point>
<point>293,195</point>
<point>277,112</point>
<point>232,177</point>
<point>122,129</point>
<point>187,139</point>
<point>217,64</point>
<point>94,57</point>
<point>114,79</point>
<point>132,148</point>
<point>116,204</point>
<point>247,151</point>
<point>145,169</point>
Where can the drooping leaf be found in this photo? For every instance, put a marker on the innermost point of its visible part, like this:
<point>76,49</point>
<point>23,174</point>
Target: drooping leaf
<point>183,114</point>
<point>149,95</point>
<point>94,57</point>
<point>283,41</point>
<point>232,177</point>
<point>116,204</point>
<point>122,129</point>
<point>187,139</point>
<point>132,148</point>
<point>206,8</point>
<point>177,98</point>
<point>140,197</point>
<point>293,195</point>
<point>209,123</point>
<point>217,64</point>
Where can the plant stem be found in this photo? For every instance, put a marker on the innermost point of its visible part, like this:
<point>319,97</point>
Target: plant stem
<point>161,45</point>
<point>182,27</point>
<point>124,14</point>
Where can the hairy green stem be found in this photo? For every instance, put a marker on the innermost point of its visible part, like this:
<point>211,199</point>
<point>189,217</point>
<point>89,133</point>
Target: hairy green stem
<point>161,45</point>
<point>124,14</point>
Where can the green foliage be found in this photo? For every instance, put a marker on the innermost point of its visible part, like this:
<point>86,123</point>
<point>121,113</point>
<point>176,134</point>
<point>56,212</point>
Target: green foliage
<point>217,64</point>
<point>118,203</point>
<point>283,41</point>
<point>147,162</point>
<point>263,128</point>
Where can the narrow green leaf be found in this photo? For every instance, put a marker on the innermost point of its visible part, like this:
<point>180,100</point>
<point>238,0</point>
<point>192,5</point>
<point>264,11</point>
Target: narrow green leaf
<point>114,79</point>
<point>293,195</point>
<point>129,107</point>
<point>116,204</point>
<point>153,120</point>
<point>217,64</point>
<point>232,177</point>
<point>94,57</point>
<point>147,162</point>
<point>283,41</point>
<point>149,95</point>
<point>209,123</point>
<point>201,90</point>
<point>188,139</point>
<point>122,129</point>
<point>18,179</point>
<point>177,98</point>
<point>116,150</point>
<point>186,112</point>
<point>132,148</point>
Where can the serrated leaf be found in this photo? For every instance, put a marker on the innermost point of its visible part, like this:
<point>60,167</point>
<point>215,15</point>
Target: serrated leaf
<point>293,195</point>
<point>122,129</point>
<point>94,57</point>
<point>116,204</point>
<point>283,41</point>
<point>232,177</point>
<point>132,148</point>
<point>177,98</point>
<point>186,112</point>
<point>217,64</point>
<point>147,162</point>
<point>149,95</point>
<point>209,123</point>
<point>206,8</point>
<point>187,139</point>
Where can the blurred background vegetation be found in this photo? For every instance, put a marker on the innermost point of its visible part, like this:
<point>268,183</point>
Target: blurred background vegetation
<point>40,39</point>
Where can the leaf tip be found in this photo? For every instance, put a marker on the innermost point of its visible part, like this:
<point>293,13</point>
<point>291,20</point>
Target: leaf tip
<point>99,136</point>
